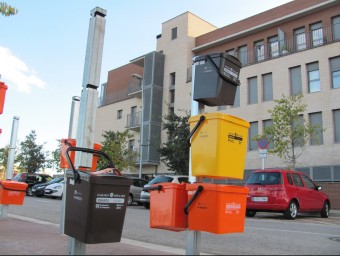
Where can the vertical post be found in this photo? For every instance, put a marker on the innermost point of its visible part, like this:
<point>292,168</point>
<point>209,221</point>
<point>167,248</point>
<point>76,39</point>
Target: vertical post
<point>88,102</point>
<point>10,161</point>
<point>193,245</point>
<point>72,134</point>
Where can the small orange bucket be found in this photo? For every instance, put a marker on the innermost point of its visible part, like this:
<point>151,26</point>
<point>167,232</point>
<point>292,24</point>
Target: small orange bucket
<point>167,201</point>
<point>65,144</point>
<point>216,208</point>
<point>12,192</point>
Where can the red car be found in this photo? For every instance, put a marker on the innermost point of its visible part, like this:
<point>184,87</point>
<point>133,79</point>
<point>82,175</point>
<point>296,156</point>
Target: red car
<point>285,191</point>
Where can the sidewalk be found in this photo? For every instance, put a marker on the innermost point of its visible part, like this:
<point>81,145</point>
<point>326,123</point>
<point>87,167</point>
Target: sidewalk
<point>26,236</point>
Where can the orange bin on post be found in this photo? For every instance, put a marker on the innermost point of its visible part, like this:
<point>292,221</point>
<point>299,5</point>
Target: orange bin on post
<point>216,208</point>
<point>167,201</point>
<point>12,192</point>
<point>65,144</point>
<point>3,89</point>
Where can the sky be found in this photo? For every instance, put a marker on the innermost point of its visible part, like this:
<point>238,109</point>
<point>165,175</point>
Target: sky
<point>43,47</point>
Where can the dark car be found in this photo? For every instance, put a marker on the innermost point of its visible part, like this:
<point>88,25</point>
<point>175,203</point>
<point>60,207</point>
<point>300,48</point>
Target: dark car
<point>31,179</point>
<point>135,190</point>
<point>285,191</point>
<point>39,189</point>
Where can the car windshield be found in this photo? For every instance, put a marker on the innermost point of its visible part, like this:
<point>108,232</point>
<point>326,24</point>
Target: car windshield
<point>20,177</point>
<point>160,179</point>
<point>264,178</point>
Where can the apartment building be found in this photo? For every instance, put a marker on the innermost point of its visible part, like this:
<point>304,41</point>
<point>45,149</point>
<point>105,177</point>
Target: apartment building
<point>290,49</point>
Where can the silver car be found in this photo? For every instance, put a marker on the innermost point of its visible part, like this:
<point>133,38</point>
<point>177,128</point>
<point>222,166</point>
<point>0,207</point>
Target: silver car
<point>135,190</point>
<point>145,195</point>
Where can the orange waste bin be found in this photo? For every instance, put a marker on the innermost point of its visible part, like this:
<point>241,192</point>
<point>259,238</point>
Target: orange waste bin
<point>167,201</point>
<point>3,89</point>
<point>12,192</point>
<point>65,144</point>
<point>216,208</point>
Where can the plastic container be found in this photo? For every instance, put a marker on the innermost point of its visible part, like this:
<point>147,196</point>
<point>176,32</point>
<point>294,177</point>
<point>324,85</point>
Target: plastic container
<point>3,90</point>
<point>167,201</point>
<point>218,146</point>
<point>12,192</point>
<point>65,144</point>
<point>216,79</point>
<point>218,209</point>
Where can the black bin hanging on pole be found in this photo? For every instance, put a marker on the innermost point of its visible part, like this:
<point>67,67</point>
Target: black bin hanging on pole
<point>216,79</point>
<point>95,204</point>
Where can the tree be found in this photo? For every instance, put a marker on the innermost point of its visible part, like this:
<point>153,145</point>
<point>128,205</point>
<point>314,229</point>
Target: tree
<point>175,152</point>
<point>7,10</point>
<point>115,146</point>
<point>55,161</point>
<point>31,157</point>
<point>289,132</point>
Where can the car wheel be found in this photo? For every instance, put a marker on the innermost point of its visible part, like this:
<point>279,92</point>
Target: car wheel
<point>29,191</point>
<point>325,210</point>
<point>146,205</point>
<point>250,213</point>
<point>291,211</point>
<point>130,200</point>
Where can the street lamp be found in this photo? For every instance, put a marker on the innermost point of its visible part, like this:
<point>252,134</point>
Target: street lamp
<point>141,128</point>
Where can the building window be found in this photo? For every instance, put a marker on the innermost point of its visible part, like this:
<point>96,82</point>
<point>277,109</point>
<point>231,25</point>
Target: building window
<point>173,33</point>
<point>232,52</point>
<point>267,83</point>
<point>259,50</point>
<point>336,27</point>
<point>172,78</point>
<point>253,131</point>
<point>336,118</point>
<point>243,55</point>
<point>266,124</point>
<point>317,34</point>
<point>335,71</point>
<point>316,119</point>
<point>273,46</point>
<point>172,96</point>
<point>119,114</point>
<point>295,81</point>
<point>252,90</point>
<point>313,77</point>
<point>300,39</point>
<point>298,125</point>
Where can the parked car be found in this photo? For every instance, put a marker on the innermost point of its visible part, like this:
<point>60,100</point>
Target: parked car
<point>55,190</point>
<point>285,191</point>
<point>31,179</point>
<point>145,195</point>
<point>39,189</point>
<point>136,189</point>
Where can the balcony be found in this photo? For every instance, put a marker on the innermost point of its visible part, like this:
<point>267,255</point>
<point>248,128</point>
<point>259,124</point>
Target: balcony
<point>133,121</point>
<point>135,88</point>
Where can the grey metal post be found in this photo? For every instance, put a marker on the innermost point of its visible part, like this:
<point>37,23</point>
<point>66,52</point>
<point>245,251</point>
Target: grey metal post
<point>72,133</point>
<point>10,161</point>
<point>88,102</point>
<point>193,245</point>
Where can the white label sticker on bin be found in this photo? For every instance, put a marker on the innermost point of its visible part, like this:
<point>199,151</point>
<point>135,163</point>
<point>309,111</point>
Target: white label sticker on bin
<point>103,200</point>
<point>231,208</point>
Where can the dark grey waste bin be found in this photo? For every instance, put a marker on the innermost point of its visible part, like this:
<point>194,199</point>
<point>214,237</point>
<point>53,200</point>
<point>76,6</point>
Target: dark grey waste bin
<point>95,204</point>
<point>216,79</point>
<point>95,207</point>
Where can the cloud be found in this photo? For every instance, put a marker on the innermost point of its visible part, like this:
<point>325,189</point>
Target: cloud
<point>17,73</point>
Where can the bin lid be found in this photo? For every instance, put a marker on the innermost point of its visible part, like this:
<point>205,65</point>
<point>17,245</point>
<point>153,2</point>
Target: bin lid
<point>3,86</point>
<point>170,185</point>
<point>105,179</point>
<point>13,185</point>
<point>217,115</point>
<point>219,187</point>
<point>229,57</point>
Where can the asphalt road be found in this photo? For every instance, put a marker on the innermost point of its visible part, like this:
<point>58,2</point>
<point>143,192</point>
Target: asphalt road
<point>264,234</point>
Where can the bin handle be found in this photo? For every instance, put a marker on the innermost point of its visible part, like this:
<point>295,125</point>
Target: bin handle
<point>86,150</point>
<point>202,118</point>
<point>186,207</point>
<point>159,187</point>
<point>217,69</point>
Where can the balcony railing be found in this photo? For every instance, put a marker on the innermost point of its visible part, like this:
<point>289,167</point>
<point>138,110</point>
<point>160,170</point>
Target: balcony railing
<point>133,121</point>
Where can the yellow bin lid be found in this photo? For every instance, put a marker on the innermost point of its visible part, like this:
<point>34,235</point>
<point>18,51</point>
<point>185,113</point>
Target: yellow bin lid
<point>221,116</point>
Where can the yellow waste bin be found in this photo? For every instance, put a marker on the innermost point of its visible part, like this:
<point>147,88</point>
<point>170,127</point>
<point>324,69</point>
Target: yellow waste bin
<point>218,146</point>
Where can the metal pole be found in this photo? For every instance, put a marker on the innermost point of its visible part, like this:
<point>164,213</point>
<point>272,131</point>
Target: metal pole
<point>10,162</point>
<point>88,102</point>
<point>193,245</point>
